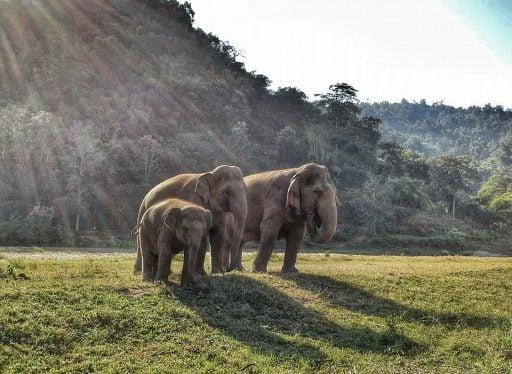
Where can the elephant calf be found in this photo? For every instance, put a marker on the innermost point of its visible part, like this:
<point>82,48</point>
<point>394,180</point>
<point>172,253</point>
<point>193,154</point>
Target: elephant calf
<point>167,228</point>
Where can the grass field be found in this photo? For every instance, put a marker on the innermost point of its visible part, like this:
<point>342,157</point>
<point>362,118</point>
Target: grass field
<point>341,314</point>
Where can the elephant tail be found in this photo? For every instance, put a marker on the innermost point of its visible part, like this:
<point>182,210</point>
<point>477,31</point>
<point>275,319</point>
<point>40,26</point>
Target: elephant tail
<point>135,230</point>
<point>137,267</point>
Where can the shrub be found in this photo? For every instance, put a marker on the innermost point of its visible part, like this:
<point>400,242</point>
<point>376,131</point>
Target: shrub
<point>384,203</point>
<point>495,186</point>
<point>37,228</point>
<point>501,202</point>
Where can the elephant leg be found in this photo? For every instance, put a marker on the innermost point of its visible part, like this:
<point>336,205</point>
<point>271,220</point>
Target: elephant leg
<point>201,255</point>
<point>137,267</point>
<point>269,233</point>
<point>149,264</point>
<point>148,259</point>
<point>189,262</point>
<point>237,263</point>
<point>224,257</point>
<point>225,226</point>
<point>293,241</point>
<point>164,266</point>
<point>217,244</point>
<point>234,244</point>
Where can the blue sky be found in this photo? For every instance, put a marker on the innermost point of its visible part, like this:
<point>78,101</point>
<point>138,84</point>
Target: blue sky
<point>455,51</point>
<point>491,20</point>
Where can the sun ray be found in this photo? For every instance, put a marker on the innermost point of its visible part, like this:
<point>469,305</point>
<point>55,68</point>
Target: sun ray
<point>9,59</point>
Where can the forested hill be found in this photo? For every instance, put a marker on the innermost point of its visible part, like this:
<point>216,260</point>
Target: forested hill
<point>437,129</point>
<point>102,99</point>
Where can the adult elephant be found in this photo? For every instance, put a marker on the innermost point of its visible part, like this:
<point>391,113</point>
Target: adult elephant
<point>223,192</point>
<point>283,204</point>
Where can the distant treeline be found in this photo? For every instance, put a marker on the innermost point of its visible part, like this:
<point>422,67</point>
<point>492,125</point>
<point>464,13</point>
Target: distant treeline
<point>437,129</point>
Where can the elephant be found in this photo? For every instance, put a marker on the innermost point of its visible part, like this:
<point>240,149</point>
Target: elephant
<point>223,192</point>
<point>167,228</point>
<point>283,204</point>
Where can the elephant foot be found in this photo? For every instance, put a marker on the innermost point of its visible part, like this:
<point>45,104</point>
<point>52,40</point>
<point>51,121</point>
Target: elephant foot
<point>187,281</point>
<point>219,270</point>
<point>236,268</point>
<point>161,282</point>
<point>147,278</point>
<point>201,273</point>
<point>137,267</point>
<point>259,269</point>
<point>289,270</point>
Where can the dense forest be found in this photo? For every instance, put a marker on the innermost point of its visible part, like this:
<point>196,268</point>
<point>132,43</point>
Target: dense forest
<point>101,100</point>
<point>438,129</point>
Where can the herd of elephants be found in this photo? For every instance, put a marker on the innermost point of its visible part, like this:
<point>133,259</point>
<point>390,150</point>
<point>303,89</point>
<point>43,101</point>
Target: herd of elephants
<point>222,210</point>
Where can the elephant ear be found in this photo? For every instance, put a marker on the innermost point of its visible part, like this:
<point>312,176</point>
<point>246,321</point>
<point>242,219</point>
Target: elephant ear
<point>293,195</point>
<point>172,218</point>
<point>203,188</point>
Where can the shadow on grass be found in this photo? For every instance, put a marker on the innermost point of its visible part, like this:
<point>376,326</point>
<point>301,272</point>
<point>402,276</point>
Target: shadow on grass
<point>273,323</point>
<point>347,296</point>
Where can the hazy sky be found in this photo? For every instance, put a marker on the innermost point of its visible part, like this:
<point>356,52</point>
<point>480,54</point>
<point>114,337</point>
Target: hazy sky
<point>456,51</point>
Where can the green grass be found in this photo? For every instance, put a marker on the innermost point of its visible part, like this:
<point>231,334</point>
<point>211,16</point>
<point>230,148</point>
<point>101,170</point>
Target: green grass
<point>345,314</point>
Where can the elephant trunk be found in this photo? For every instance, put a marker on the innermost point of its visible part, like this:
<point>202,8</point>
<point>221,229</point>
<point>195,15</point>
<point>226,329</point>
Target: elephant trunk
<point>190,262</point>
<point>321,223</point>
<point>193,245</point>
<point>239,212</point>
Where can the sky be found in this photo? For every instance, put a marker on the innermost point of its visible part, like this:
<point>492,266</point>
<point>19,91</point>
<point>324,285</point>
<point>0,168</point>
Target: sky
<point>455,51</point>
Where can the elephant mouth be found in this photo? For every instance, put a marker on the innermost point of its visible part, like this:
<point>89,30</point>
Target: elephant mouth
<point>314,223</point>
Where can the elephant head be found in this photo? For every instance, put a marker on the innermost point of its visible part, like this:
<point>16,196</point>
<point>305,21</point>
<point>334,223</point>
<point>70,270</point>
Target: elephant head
<point>191,226</point>
<point>223,190</point>
<point>312,195</point>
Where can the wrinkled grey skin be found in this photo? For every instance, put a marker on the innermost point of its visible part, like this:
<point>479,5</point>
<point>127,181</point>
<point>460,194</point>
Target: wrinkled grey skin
<point>286,203</point>
<point>223,192</point>
<point>168,228</point>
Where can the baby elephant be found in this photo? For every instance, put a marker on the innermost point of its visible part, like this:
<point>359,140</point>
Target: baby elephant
<point>167,228</point>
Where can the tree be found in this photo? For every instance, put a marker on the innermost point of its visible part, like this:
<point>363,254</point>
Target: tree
<point>450,175</point>
<point>84,159</point>
<point>12,118</point>
<point>496,192</point>
<point>496,185</point>
<point>287,146</point>
<point>503,155</point>
<point>399,161</point>
<point>227,52</point>
<point>186,13</point>
<point>340,104</point>
<point>370,129</point>
<point>260,82</point>
<point>150,149</point>
<point>381,204</point>
<point>291,96</point>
